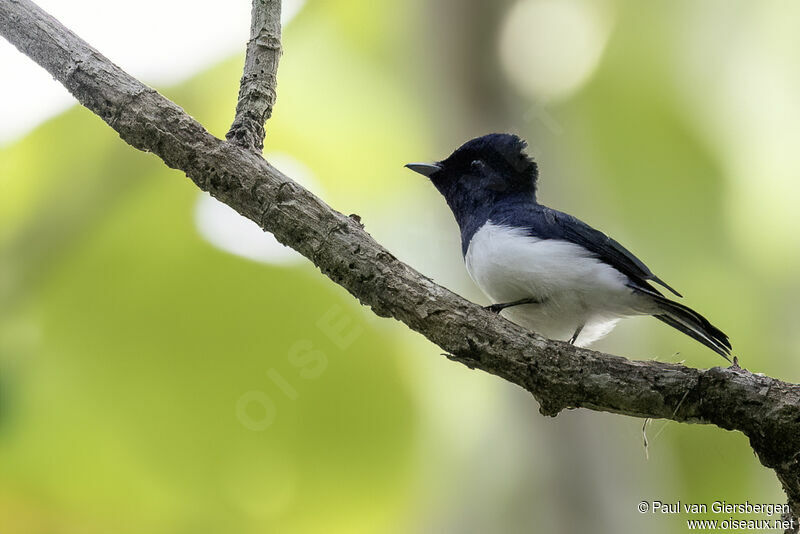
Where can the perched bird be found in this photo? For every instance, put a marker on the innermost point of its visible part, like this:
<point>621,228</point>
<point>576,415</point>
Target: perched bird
<point>544,269</point>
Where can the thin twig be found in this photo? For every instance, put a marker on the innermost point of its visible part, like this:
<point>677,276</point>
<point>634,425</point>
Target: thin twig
<point>674,413</point>
<point>257,90</point>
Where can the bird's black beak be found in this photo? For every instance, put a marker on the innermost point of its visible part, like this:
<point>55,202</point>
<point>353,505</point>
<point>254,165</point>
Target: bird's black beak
<point>425,169</point>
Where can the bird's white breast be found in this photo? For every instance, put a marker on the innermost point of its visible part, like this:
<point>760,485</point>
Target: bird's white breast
<point>575,287</point>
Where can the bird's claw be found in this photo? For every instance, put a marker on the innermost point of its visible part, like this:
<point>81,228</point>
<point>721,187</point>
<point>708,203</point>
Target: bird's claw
<point>500,306</point>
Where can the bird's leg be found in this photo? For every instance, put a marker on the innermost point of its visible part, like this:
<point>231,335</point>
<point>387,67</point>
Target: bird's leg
<point>497,308</point>
<point>574,337</point>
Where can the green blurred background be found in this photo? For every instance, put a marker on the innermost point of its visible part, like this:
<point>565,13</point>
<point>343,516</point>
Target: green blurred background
<point>165,368</point>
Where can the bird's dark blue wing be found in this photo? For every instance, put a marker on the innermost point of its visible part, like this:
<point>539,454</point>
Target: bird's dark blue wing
<point>547,223</point>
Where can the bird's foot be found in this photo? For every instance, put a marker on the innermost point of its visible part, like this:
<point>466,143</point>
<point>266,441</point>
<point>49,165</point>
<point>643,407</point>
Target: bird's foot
<point>574,337</point>
<point>497,308</point>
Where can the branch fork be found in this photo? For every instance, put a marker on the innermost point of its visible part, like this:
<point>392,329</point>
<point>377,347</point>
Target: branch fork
<point>258,87</point>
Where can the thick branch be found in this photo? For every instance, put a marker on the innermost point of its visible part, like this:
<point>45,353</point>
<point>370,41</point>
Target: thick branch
<point>559,375</point>
<point>257,89</point>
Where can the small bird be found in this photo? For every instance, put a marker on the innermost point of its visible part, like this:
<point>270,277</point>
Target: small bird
<point>544,269</point>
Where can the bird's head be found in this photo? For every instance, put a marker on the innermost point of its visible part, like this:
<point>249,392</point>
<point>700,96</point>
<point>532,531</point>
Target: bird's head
<point>482,171</point>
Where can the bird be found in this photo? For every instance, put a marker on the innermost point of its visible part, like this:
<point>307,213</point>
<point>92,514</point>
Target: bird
<point>542,268</point>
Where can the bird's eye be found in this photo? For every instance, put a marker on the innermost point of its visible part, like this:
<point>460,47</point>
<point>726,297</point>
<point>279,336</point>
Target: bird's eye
<point>477,165</point>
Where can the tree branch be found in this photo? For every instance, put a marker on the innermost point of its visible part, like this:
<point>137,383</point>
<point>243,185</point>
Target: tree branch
<point>257,92</point>
<point>559,375</point>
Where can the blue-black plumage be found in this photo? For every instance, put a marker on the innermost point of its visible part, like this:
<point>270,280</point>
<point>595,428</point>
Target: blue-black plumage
<point>574,282</point>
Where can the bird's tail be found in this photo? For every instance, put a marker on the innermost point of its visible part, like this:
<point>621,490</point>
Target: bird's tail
<point>693,325</point>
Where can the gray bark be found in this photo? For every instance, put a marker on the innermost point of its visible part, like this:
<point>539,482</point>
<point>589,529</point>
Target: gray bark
<point>257,91</point>
<point>559,376</point>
